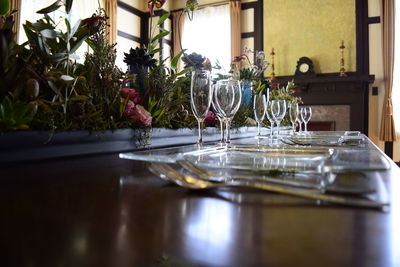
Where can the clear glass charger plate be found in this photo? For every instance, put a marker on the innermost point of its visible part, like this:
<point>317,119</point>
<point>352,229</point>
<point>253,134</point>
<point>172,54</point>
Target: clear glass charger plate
<point>247,161</point>
<point>261,158</point>
<point>306,166</point>
<point>241,157</point>
<point>245,155</point>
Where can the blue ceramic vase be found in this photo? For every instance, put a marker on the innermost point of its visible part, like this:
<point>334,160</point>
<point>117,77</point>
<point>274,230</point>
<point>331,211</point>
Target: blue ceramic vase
<point>134,69</point>
<point>247,92</point>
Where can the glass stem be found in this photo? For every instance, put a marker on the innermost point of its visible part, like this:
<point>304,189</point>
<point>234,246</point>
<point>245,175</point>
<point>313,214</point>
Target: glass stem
<point>221,124</point>
<point>200,124</point>
<point>272,129</point>
<point>278,123</point>
<point>228,131</point>
<point>293,127</point>
<point>259,130</point>
<point>305,127</point>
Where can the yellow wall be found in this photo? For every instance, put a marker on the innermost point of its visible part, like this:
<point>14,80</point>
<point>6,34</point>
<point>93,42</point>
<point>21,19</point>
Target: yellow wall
<point>311,28</point>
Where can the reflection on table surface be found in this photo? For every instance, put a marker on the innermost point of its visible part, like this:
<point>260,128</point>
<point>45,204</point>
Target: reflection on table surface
<point>106,211</point>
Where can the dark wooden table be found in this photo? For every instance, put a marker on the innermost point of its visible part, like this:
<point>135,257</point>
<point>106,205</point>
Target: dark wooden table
<point>105,211</point>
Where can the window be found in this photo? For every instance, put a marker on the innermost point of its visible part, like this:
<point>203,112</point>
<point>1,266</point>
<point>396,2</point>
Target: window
<point>80,10</point>
<point>209,34</point>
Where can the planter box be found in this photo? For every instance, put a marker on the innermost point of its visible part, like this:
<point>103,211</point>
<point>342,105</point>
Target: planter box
<point>36,145</point>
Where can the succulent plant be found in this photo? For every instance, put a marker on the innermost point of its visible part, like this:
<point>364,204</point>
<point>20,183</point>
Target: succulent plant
<point>191,5</point>
<point>194,60</point>
<point>247,74</point>
<point>140,57</point>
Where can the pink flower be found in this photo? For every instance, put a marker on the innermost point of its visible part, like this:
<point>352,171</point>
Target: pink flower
<point>210,118</point>
<point>131,94</point>
<point>239,58</point>
<point>155,3</point>
<point>141,116</point>
<point>94,21</point>
<point>138,114</point>
<point>129,107</point>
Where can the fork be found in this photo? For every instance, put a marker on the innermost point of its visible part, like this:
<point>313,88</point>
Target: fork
<point>207,175</point>
<point>166,172</point>
<point>286,181</point>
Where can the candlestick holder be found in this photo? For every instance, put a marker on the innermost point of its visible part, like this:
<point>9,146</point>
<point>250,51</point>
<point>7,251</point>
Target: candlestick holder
<point>342,72</point>
<point>272,65</point>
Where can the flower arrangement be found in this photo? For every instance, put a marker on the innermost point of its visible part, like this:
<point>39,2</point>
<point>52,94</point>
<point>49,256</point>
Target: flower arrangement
<point>164,89</point>
<point>44,87</point>
<point>253,71</point>
<point>62,94</point>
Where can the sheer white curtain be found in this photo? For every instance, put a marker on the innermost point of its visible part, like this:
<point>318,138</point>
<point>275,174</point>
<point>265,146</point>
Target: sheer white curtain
<point>209,34</point>
<point>80,10</point>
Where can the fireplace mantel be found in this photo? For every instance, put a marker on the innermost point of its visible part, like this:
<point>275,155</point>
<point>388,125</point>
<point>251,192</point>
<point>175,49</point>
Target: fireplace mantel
<point>330,89</point>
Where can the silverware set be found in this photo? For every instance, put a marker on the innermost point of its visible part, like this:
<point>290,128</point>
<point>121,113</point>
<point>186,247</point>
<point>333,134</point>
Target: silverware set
<point>195,177</point>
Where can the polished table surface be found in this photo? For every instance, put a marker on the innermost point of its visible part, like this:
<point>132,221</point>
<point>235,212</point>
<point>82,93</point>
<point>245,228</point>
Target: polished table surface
<point>105,211</point>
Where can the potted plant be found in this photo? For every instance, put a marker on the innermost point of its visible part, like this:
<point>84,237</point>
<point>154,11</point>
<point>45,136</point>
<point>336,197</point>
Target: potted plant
<point>249,73</point>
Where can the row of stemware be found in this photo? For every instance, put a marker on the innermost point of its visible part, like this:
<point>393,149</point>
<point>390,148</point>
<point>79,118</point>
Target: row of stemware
<point>225,97</point>
<point>275,110</point>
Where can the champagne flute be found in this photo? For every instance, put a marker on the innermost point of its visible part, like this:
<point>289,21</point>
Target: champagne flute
<point>305,113</point>
<point>200,97</point>
<point>259,107</point>
<point>278,108</point>
<point>300,122</point>
<point>270,117</point>
<point>227,97</point>
<point>293,114</point>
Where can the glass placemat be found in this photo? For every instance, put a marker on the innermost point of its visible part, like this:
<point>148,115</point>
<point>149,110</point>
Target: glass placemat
<point>247,154</point>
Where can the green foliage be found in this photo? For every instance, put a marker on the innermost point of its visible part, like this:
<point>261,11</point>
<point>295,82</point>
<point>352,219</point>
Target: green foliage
<point>4,7</point>
<point>247,74</point>
<point>168,96</point>
<point>53,48</point>
<point>285,93</point>
<point>155,40</point>
<point>243,117</point>
<point>56,5</point>
<point>88,96</point>
<point>259,87</point>
<point>15,115</point>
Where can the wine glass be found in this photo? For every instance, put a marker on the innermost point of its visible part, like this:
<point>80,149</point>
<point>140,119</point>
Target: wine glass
<point>293,114</point>
<point>270,117</point>
<point>200,97</point>
<point>227,99</point>
<point>278,108</point>
<point>220,119</point>
<point>305,113</point>
<point>260,105</point>
<point>300,122</point>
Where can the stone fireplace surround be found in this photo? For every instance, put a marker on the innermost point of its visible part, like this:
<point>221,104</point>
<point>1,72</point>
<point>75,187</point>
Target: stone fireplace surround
<point>333,98</point>
<point>339,114</point>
